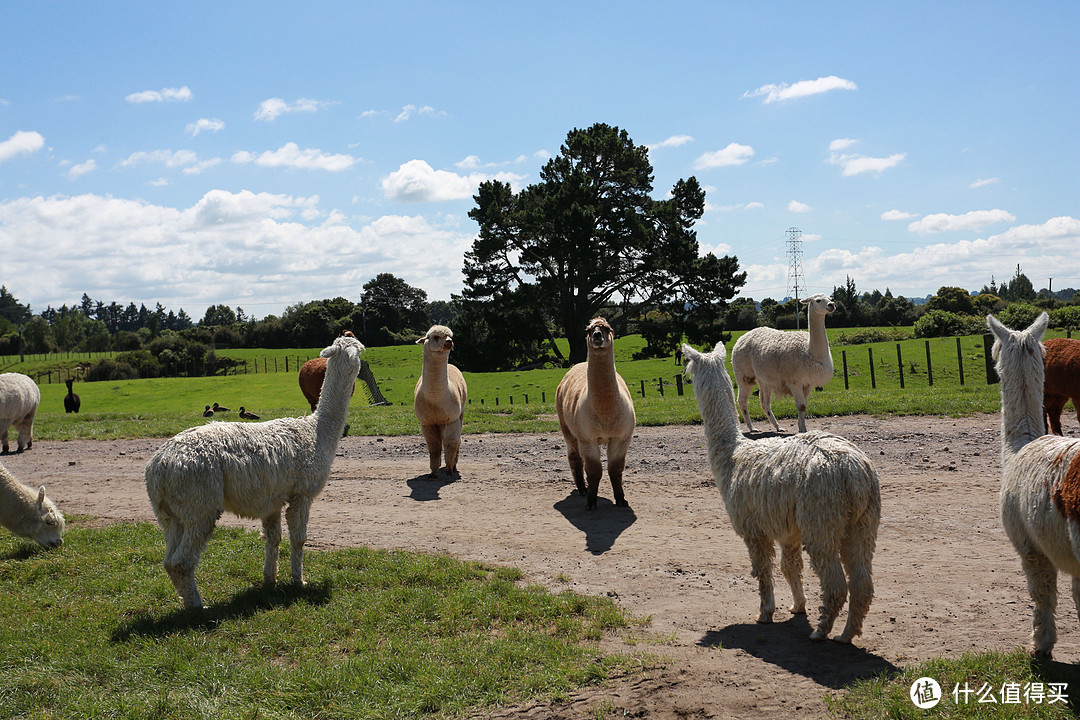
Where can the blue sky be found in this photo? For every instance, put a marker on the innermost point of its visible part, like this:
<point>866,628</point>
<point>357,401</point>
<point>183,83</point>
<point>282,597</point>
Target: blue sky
<point>262,154</point>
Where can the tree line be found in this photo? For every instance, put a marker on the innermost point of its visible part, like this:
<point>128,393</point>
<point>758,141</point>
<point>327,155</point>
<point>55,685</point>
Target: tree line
<point>588,239</point>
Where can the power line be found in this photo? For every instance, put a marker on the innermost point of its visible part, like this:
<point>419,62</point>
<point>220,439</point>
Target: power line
<point>795,272</point>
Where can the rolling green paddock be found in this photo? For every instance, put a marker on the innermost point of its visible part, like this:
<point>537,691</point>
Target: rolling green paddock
<point>521,401</point>
<point>95,630</point>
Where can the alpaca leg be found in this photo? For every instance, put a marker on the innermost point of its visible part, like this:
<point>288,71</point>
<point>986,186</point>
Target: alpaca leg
<point>744,400</point>
<point>272,537</point>
<point>451,445</point>
<point>857,557</point>
<point>762,553</point>
<point>791,564</point>
<point>616,463</point>
<point>594,468</point>
<point>827,566</point>
<point>765,395</point>
<point>1053,406</point>
<point>181,561</point>
<point>296,515</point>
<point>801,395</point>
<point>577,465</point>
<point>1042,586</point>
<point>433,436</point>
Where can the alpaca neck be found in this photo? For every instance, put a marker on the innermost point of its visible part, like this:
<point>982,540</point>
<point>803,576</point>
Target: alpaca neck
<point>333,408</point>
<point>819,339</point>
<point>601,375</point>
<point>716,403</point>
<point>435,373</point>
<point>1022,414</point>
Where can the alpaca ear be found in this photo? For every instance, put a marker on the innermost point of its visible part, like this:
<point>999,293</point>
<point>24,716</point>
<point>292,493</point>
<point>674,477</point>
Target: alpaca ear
<point>805,301</point>
<point>1038,327</point>
<point>422,340</point>
<point>41,497</point>
<point>997,328</point>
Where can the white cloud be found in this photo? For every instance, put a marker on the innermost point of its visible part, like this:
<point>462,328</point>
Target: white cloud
<point>974,220</point>
<point>733,154</point>
<point>262,251</point>
<point>673,141</point>
<point>187,160</point>
<point>409,111</point>
<point>469,162</point>
<point>182,94</point>
<point>855,164</point>
<point>21,143</point>
<point>416,181</point>
<point>983,182</point>
<point>291,156</point>
<point>271,108</point>
<point>81,169</point>
<point>897,215</point>
<point>797,207</point>
<point>804,88</point>
<point>204,125</point>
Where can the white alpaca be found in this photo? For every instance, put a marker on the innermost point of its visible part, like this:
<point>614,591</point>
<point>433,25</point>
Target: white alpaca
<point>1040,484</point>
<point>813,490</point>
<point>253,470</point>
<point>595,409</point>
<point>785,363</point>
<point>28,513</point>
<point>19,399</point>
<point>439,400</point>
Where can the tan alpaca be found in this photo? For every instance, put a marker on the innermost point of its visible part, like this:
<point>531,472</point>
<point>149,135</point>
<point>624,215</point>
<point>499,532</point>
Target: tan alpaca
<point>439,400</point>
<point>595,409</point>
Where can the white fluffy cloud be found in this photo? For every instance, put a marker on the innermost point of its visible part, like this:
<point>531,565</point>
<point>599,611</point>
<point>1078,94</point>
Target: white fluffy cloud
<point>974,220</point>
<point>804,88</point>
<point>416,181</point>
<point>733,154</point>
<point>798,207</point>
<point>187,160</point>
<point>983,182</point>
<point>271,108</point>
<point>262,251</point>
<point>855,164</point>
<point>82,168</point>
<point>290,155</point>
<point>673,141</point>
<point>892,215</point>
<point>204,125</point>
<point>182,94</point>
<point>21,143</point>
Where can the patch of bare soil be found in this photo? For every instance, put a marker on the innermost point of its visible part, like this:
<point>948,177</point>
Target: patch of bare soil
<point>947,581</point>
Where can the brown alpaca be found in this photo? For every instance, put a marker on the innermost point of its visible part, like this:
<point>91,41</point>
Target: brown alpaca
<point>1062,361</point>
<point>439,400</point>
<point>595,409</point>
<point>312,374</point>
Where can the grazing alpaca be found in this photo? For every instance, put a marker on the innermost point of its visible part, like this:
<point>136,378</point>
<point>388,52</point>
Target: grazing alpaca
<point>253,470</point>
<point>71,400</point>
<point>28,513</point>
<point>1040,480</point>
<point>247,415</point>
<point>311,377</point>
<point>439,400</point>
<point>1062,380</point>
<point>785,363</point>
<point>595,409</point>
<point>812,490</point>
<point>19,399</point>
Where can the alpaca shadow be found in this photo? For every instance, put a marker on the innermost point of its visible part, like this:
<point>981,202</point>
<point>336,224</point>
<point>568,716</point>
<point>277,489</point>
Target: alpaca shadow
<point>602,526</point>
<point>788,645</point>
<point>244,604</point>
<point>24,552</point>
<point>424,487</point>
<point>1050,671</point>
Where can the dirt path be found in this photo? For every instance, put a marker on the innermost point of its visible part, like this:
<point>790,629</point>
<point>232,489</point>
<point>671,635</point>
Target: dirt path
<point>947,580</point>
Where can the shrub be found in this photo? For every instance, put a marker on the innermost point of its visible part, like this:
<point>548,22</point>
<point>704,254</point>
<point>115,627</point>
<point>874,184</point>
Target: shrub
<point>1018,316</point>
<point>109,369</point>
<point>942,323</point>
<point>861,336</point>
<point>1065,317</point>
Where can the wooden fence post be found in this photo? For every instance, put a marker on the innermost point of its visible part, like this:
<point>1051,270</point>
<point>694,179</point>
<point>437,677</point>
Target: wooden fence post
<point>900,365</point>
<point>960,360</point>
<point>660,384</point>
<point>929,368</point>
<point>991,371</point>
<point>678,384</point>
<point>843,354</point>
<point>642,388</point>
<point>873,379</point>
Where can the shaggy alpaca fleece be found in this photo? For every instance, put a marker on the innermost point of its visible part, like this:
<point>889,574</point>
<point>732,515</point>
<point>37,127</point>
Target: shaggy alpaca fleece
<point>596,410</point>
<point>28,513</point>
<point>439,400</point>
<point>812,490</point>
<point>19,399</point>
<point>253,470</point>
<point>784,363</point>
<point>1040,483</point>
<point>1062,383</point>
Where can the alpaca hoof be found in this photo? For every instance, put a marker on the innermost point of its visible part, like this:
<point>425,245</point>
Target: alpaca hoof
<point>622,503</point>
<point>842,639</point>
<point>796,610</point>
<point>1041,654</point>
<point>818,636</point>
<point>590,507</point>
<point>764,619</point>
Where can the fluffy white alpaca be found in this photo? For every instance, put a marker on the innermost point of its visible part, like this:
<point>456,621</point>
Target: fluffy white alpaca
<point>439,400</point>
<point>19,400</point>
<point>785,363</point>
<point>595,410</point>
<point>28,513</point>
<point>253,470</point>
<point>812,490</point>
<point>1040,483</point>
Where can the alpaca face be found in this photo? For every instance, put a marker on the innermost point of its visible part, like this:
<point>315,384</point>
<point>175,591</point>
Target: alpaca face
<point>438,339</point>
<point>599,334</point>
<point>50,526</point>
<point>820,304</point>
